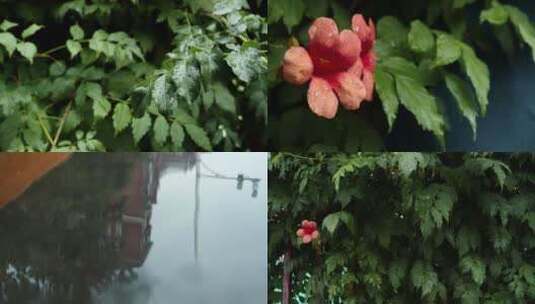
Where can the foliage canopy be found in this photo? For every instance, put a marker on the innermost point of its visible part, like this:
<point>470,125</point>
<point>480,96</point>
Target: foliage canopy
<point>132,75</point>
<point>404,227</point>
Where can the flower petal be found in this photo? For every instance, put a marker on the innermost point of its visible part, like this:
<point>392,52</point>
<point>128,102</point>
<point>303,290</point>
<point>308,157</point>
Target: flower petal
<point>315,234</point>
<point>300,232</point>
<point>361,28</point>
<point>321,98</point>
<point>297,66</point>
<point>369,60</point>
<point>348,47</point>
<point>372,30</point>
<point>356,68</point>
<point>307,239</point>
<point>309,225</point>
<point>369,83</point>
<point>350,91</point>
<point>323,32</point>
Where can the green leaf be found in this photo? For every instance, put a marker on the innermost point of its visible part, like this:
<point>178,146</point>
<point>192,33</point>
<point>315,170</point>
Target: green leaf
<point>101,107</point>
<point>122,116</point>
<point>421,38</point>
<point>424,277</point>
<point>348,219</point>
<point>247,63</point>
<point>93,90</point>
<point>72,120</point>
<point>474,266</point>
<point>408,162</point>
<point>422,104</point>
<point>208,98</point>
<point>433,205</point>
<point>159,92</point>
<point>275,56</point>
<point>501,239</point>
<point>478,72</point>
<point>223,98</point>
<point>523,25</point>
<point>467,239</point>
<point>31,30</point>
<point>471,295</point>
<point>9,129</point>
<point>9,42</point>
<point>6,25</point>
<point>186,77</point>
<point>140,127</point>
<point>74,47</point>
<point>161,130</point>
<point>199,137</point>
<point>77,33</point>
<point>57,68</point>
<point>333,261</point>
<point>398,66</point>
<point>27,50</point>
<point>390,29</point>
<point>184,118</point>
<point>448,50</point>
<point>223,7</point>
<point>397,272</point>
<point>177,134</point>
<point>330,222</point>
<point>528,272</point>
<point>480,166</point>
<point>275,10</point>
<point>317,8</point>
<point>99,43</point>
<point>386,89</point>
<point>465,98</point>
<point>496,15</point>
<point>293,12</point>
<point>341,15</point>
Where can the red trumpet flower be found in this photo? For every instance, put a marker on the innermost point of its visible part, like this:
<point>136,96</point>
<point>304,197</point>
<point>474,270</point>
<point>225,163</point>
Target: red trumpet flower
<point>339,65</point>
<point>308,231</point>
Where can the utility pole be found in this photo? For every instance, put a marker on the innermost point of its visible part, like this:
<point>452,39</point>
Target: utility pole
<point>198,175</point>
<point>197,206</point>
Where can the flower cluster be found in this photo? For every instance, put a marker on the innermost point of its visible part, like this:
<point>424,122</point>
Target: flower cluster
<point>308,231</point>
<point>339,65</point>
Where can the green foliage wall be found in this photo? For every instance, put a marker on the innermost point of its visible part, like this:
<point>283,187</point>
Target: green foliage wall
<point>424,47</point>
<point>132,75</point>
<point>404,227</point>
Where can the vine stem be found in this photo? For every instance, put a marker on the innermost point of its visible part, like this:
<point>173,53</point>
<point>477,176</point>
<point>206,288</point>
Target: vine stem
<point>46,53</point>
<point>62,122</point>
<point>45,129</point>
<point>287,277</point>
<point>298,156</point>
<point>43,55</point>
<point>60,47</point>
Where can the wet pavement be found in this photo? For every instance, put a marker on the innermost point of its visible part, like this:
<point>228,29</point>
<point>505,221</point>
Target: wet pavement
<point>139,228</point>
